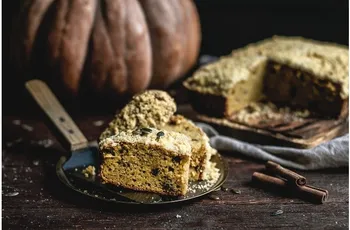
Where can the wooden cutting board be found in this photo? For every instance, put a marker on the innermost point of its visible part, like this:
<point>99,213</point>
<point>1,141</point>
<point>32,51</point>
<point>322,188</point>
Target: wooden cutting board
<point>305,133</point>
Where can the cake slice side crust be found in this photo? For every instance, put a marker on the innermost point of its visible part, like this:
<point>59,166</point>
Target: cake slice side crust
<point>199,141</point>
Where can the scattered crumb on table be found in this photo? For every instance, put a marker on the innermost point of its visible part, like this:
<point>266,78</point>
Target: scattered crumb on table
<point>27,127</point>
<point>11,194</point>
<point>98,123</point>
<point>16,122</point>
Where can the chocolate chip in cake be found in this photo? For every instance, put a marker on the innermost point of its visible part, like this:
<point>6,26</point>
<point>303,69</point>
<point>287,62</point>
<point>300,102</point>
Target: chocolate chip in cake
<point>110,151</point>
<point>167,187</point>
<point>122,150</point>
<point>155,171</point>
<point>126,164</point>
<point>171,169</point>
<point>197,168</point>
<point>177,159</point>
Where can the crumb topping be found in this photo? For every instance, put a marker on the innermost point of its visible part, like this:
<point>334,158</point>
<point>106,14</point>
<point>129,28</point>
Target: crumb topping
<point>171,141</point>
<point>149,109</point>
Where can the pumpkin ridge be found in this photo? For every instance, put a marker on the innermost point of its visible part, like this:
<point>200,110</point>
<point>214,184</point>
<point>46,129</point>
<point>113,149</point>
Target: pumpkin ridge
<point>98,79</point>
<point>74,42</point>
<point>19,54</point>
<point>86,70</point>
<point>30,35</point>
<point>55,29</point>
<point>35,12</point>
<point>117,74</point>
<point>137,53</point>
<point>62,33</point>
<point>193,35</point>
<point>164,40</point>
<point>180,53</point>
<point>63,29</point>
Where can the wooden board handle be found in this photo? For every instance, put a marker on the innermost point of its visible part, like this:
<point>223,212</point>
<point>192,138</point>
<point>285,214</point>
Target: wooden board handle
<point>57,114</point>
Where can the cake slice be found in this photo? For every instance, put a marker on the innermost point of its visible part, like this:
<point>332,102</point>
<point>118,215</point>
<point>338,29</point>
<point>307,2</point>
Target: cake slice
<point>155,109</point>
<point>147,159</point>
<point>201,151</point>
<point>293,71</point>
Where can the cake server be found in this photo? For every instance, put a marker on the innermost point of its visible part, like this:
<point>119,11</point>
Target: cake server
<point>84,153</point>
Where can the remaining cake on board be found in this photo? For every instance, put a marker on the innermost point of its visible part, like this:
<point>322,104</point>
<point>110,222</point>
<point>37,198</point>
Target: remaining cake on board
<point>147,159</point>
<point>293,71</point>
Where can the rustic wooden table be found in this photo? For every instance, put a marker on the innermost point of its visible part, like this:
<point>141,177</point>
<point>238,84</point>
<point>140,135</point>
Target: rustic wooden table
<point>33,198</point>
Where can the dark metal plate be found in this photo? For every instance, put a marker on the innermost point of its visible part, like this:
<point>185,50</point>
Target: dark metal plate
<point>92,186</point>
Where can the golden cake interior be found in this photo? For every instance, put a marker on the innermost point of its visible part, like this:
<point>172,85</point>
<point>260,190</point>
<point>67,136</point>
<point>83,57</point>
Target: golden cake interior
<point>141,168</point>
<point>147,161</point>
<point>246,91</point>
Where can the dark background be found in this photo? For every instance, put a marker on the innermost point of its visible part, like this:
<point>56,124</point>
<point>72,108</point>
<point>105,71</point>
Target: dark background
<point>226,25</point>
<point>229,24</point>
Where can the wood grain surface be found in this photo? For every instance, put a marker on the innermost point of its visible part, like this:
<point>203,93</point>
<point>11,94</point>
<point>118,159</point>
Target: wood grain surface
<point>305,134</point>
<point>30,153</point>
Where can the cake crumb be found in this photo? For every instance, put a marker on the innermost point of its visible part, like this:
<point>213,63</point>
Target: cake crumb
<point>210,178</point>
<point>98,123</point>
<point>178,216</point>
<point>11,194</point>
<point>16,122</point>
<point>12,143</point>
<point>27,127</point>
<point>256,112</point>
<point>89,171</point>
<point>46,143</point>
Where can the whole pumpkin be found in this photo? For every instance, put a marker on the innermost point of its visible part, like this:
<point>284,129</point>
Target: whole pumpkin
<point>123,46</point>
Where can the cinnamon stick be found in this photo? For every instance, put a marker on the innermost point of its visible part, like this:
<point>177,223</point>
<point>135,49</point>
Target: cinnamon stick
<point>289,175</point>
<point>305,192</point>
<point>313,193</point>
<point>268,180</point>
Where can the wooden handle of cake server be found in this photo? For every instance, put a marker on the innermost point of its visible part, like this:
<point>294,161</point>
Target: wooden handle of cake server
<point>69,133</point>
